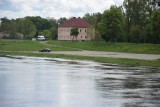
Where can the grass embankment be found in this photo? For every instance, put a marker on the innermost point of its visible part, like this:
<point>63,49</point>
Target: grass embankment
<point>26,48</point>
<point>112,47</point>
<point>19,45</point>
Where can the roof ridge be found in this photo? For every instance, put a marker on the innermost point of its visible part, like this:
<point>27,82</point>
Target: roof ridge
<point>76,22</point>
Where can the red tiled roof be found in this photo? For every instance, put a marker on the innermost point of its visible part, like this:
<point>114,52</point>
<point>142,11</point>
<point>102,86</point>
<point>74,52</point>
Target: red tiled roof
<point>75,22</point>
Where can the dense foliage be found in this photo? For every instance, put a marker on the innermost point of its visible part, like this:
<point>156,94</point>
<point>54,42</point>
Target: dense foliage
<point>111,24</point>
<point>30,27</point>
<point>74,32</point>
<point>136,21</point>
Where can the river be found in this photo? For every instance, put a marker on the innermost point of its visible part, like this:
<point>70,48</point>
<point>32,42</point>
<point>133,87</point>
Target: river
<point>47,82</point>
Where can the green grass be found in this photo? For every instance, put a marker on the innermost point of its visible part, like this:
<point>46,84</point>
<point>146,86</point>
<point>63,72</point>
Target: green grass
<point>112,47</point>
<point>15,45</point>
<point>18,45</point>
<point>121,61</point>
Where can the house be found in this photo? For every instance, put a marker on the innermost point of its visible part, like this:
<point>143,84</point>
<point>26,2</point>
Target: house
<point>4,34</point>
<point>86,30</point>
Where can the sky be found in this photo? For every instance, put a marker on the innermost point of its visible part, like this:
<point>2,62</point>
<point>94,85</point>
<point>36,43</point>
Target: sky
<point>13,9</point>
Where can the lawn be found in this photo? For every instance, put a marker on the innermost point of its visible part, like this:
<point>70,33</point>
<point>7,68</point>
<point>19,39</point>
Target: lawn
<point>111,47</point>
<point>26,45</point>
<point>18,45</point>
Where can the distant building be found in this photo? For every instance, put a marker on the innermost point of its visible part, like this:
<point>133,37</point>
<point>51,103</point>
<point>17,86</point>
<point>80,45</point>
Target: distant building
<point>86,30</point>
<point>4,34</point>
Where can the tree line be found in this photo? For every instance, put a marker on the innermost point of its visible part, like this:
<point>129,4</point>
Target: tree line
<point>136,21</point>
<point>30,27</point>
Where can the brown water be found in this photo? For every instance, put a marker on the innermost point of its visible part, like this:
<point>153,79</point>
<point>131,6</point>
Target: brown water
<point>44,82</point>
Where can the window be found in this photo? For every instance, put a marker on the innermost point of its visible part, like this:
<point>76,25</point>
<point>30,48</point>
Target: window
<point>85,37</point>
<point>59,30</point>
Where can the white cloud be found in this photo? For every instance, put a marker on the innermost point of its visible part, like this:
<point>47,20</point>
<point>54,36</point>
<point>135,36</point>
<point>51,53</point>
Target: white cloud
<point>118,2</point>
<point>56,8</point>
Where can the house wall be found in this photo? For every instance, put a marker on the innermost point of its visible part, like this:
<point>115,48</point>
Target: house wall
<point>64,34</point>
<point>4,34</point>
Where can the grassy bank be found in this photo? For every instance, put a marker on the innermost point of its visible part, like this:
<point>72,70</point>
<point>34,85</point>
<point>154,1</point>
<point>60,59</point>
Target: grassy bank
<point>112,47</point>
<point>121,61</point>
<point>19,45</point>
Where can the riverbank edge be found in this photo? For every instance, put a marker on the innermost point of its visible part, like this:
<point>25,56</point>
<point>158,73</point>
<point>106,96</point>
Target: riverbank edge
<point>121,61</point>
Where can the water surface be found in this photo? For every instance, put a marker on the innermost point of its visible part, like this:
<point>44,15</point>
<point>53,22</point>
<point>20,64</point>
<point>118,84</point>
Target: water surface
<point>45,82</point>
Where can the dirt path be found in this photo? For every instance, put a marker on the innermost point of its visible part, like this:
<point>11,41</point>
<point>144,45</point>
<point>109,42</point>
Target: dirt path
<point>110,54</point>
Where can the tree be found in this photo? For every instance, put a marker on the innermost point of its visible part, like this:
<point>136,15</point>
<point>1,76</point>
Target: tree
<point>137,13</point>
<point>29,29</point>
<point>111,24</point>
<point>98,36</point>
<point>53,33</point>
<point>5,24</point>
<point>155,23</point>
<point>61,20</point>
<point>20,26</point>
<point>46,34</point>
<point>54,29</point>
<point>53,23</point>
<point>41,23</point>
<point>135,34</point>
<point>91,33</point>
<point>13,30</point>
<point>93,19</point>
<point>74,32</point>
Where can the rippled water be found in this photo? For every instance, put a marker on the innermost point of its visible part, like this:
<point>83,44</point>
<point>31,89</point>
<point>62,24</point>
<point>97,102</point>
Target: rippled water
<point>44,82</point>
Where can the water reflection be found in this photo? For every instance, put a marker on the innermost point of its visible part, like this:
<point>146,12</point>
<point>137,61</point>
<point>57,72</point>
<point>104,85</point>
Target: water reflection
<point>45,82</point>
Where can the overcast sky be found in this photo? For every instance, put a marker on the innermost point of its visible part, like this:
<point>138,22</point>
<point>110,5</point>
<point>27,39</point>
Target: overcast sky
<point>53,8</point>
